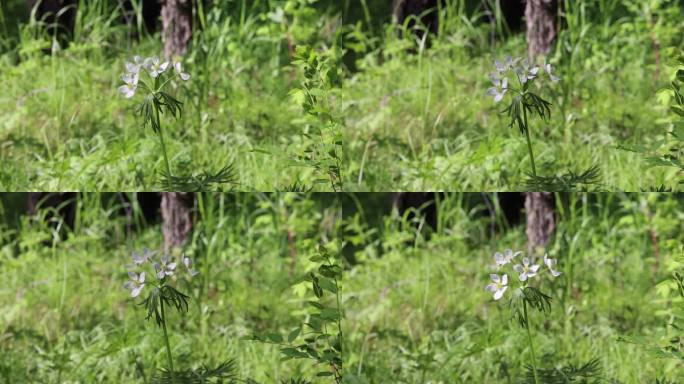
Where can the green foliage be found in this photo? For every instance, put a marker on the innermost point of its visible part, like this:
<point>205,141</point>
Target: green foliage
<point>223,373</point>
<point>321,339</point>
<point>67,318</point>
<point>322,79</point>
<point>165,294</point>
<point>418,312</point>
<point>589,372</point>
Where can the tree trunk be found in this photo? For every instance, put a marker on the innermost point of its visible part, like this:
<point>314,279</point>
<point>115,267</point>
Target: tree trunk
<point>177,218</point>
<point>540,16</point>
<point>539,208</point>
<point>177,26</point>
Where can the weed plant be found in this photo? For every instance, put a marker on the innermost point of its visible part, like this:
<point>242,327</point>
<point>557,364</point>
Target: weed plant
<point>66,317</point>
<point>414,312</point>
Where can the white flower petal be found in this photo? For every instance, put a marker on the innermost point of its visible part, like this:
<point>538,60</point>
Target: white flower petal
<point>495,278</point>
<point>491,287</point>
<point>184,76</point>
<point>504,279</point>
<point>499,294</point>
<point>136,291</point>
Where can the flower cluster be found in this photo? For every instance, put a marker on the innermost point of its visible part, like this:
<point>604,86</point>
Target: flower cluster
<point>523,70</point>
<point>154,67</point>
<point>162,268</point>
<point>526,269</point>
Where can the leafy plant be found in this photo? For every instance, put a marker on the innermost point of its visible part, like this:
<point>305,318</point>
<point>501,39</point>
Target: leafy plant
<point>156,78</point>
<point>524,296</point>
<point>164,295</point>
<point>523,100</point>
<point>320,339</point>
<point>316,94</point>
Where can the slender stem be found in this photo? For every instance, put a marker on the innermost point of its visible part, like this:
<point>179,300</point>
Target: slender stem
<point>529,338</point>
<point>163,147</point>
<point>166,338</point>
<point>529,143</point>
<point>339,322</point>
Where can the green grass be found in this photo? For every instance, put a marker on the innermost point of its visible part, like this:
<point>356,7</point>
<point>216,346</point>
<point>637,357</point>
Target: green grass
<point>419,119</point>
<point>67,128</point>
<point>418,312</point>
<point>67,318</point>
<point>415,309</point>
<point>414,117</point>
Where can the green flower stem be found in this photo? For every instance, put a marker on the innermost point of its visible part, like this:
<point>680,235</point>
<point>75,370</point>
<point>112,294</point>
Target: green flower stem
<point>529,338</point>
<point>529,143</point>
<point>166,338</point>
<point>163,146</point>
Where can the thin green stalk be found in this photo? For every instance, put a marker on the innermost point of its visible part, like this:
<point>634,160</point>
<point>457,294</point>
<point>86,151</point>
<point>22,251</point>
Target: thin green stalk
<point>163,146</point>
<point>529,143</point>
<point>166,338</point>
<point>529,338</point>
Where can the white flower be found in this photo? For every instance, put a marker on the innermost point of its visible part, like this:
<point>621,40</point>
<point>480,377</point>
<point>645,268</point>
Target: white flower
<point>498,91</point>
<point>499,285</point>
<point>139,259</point>
<point>551,263</point>
<point>505,258</point>
<point>135,66</point>
<point>549,70</point>
<point>155,66</point>
<point>188,265</point>
<point>165,268</point>
<point>184,76</point>
<point>136,284</point>
<point>131,84</point>
<point>526,270</point>
<point>527,72</point>
<point>508,64</point>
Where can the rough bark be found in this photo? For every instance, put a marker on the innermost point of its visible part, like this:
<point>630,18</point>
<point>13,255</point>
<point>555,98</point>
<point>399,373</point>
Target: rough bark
<point>176,209</point>
<point>176,26</point>
<point>540,16</point>
<point>539,208</point>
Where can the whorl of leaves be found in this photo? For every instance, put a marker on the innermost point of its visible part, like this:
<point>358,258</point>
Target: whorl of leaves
<point>527,103</point>
<point>161,101</point>
<point>570,181</point>
<point>532,297</point>
<point>169,296</point>
<point>298,380</point>
<point>589,372</point>
<point>205,181</point>
<point>223,373</point>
